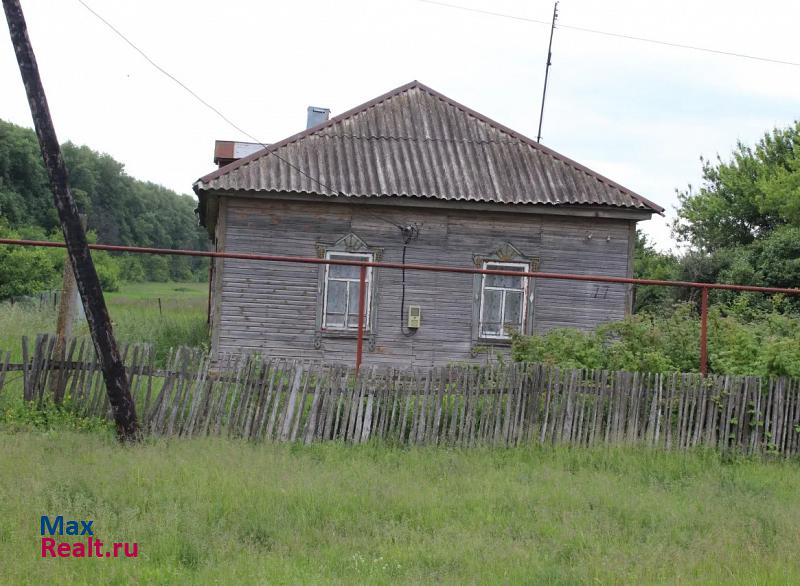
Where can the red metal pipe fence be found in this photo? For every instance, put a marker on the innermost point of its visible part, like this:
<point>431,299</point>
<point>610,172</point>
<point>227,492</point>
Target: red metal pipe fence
<point>704,287</point>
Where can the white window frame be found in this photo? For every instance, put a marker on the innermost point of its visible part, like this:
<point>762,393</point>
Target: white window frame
<point>500,265</point>
<point>368,257</point>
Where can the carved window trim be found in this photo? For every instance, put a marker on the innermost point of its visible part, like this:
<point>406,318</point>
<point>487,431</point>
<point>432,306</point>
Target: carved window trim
<point>348,244</point>
<point>505,252</point>
<point>503,335</point>
<point>352,285</point>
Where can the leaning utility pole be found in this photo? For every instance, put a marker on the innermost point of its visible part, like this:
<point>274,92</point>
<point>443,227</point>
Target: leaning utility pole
<point>94,304</point>
<point>547,70</point>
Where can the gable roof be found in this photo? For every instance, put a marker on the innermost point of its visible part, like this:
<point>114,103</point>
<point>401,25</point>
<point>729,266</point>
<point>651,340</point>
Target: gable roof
<point>416,142</point>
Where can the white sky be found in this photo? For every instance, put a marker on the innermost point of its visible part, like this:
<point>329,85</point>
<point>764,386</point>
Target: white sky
<point>639,113</point>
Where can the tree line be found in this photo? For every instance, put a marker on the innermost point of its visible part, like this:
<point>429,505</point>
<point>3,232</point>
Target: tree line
<point>120,210</point>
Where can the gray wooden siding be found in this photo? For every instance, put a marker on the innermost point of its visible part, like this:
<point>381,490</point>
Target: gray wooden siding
<point>271,308</point>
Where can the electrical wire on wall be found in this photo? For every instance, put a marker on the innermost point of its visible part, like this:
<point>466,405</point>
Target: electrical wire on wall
<point>410,232</point>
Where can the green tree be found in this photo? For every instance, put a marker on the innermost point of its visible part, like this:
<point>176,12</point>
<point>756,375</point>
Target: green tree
<point>650,263</point>
<point>746,198</point>
<point>743,225</point>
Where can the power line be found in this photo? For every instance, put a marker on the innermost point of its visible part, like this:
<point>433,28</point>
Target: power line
<point>217,111</point>
<point>201,100</point>
<point>617,35</point>
<point>489,12</point>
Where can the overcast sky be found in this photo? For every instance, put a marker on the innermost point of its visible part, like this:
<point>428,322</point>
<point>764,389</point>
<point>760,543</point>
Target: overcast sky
<point>640,113</point>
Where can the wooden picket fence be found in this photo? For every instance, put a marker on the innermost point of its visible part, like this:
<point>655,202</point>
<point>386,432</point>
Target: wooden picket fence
<point>463,405</point>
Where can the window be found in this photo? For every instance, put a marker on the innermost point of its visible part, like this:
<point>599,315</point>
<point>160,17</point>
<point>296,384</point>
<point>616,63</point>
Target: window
<point>340,306</point>
<point>503,301</point>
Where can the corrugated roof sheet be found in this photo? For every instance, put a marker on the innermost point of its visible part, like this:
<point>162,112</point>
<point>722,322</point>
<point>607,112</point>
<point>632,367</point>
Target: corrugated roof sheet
<point>415,142</point>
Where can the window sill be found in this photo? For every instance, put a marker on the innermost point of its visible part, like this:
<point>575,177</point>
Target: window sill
<point>343,333</point>
<point>486,345</point>
<point>493,341</point>
<point>369,337</point>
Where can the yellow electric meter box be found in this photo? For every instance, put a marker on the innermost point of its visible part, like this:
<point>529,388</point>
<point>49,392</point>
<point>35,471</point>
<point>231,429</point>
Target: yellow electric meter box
<point>414,316</point>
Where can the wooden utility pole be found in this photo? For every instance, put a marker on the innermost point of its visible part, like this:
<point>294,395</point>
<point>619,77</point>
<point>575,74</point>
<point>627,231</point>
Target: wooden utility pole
<point>88,284</point>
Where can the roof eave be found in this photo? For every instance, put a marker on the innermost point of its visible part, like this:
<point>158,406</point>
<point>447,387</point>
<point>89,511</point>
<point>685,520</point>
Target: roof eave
<point>575,209</point>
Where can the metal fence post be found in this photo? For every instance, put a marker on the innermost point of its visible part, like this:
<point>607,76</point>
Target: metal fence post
<point>362,288</point>
<point>704,331</point>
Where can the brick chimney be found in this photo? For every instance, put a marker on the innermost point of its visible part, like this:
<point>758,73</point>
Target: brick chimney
<point>228,151</point>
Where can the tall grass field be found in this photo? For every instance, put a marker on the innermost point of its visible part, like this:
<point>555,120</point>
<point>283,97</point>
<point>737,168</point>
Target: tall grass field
<point>164,314</point>
<point>228,512</point>
<point>224,511</point>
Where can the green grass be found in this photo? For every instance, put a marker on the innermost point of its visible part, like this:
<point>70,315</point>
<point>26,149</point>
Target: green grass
<point>227,512</point>
<point>135,314</point>
<point>170,291</point>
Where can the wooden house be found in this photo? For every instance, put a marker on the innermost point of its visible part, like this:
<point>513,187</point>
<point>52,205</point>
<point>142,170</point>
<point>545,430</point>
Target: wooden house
<point>410,175</point>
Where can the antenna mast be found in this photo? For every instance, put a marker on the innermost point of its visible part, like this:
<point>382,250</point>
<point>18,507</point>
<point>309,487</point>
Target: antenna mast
<point>547,70</point>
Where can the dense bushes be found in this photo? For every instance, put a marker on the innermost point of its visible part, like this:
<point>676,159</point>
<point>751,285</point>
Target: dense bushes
<point>741,226</point>
<point>742,339</point>
<point>29,270</point>
<point>23,270</point>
